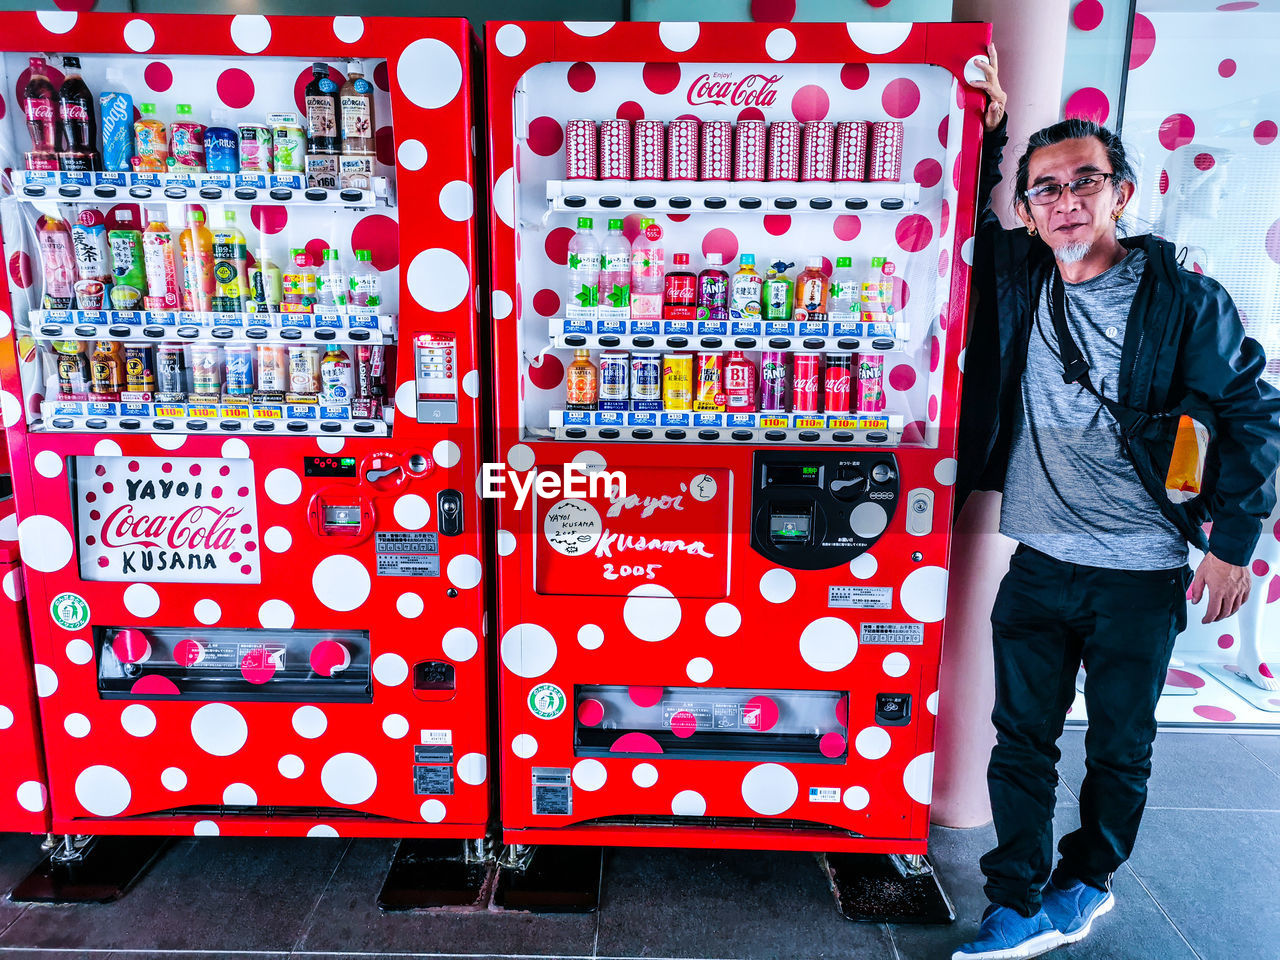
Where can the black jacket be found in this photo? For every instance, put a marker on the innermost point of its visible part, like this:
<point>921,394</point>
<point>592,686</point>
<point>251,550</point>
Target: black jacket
<point>1184,337</point>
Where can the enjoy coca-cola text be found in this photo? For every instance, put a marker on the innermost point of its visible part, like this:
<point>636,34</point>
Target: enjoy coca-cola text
<point>753,90</point>
<point>196,528</point>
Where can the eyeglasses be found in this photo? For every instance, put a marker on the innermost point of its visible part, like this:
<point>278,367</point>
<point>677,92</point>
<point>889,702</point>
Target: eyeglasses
<point>1080,187</point>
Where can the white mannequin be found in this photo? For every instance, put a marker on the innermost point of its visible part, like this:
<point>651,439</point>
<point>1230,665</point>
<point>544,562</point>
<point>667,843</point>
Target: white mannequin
<point>1252,663</point>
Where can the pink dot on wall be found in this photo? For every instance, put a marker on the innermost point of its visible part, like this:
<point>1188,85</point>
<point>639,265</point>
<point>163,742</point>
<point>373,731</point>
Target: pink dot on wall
<point>1183,678</point>
<point>381,235</point>
<point>914,232</point>
<point>661,77</point>
<point>235,88</point>
<point>1237,5</point>
<point>20,269</point>
<point>935,353</point>
<point>1264,133</point>
<point>722,241</point>
<point>847,226</point>
<point>548,374</point>
<point>944,263</point>
<point>855,75</point>
<point>1227,68</point>
<point>384,145</point>
<point>1273,242</point>
<point>1204,161</point>
<point>545,136</point>
<point>546,303</point>
<point>1088,103</point>
<point>1226,641</point>
<point>945,219</point>
<point>773,11</point>
<point>630,110</point>
<point>810,103</point>
<point>1220,714</point>
<point>269,219</point>
<point>900,98</point>
<point>913,432</point>
<point>750,113</point>
<point>1273,590</point>
<point>831,744</point>
<point>1144,41</point>
<point>1164,181</point>
<point>933,408</point>
<point>1087,14</point>
<point>635,742</point>
<point>557,245</point>
<point>644,696</point>
<point>776,224</point>
<point>927,173</point>
<point>684,724</point>
<point>300,86</point>
<point>760,713</point>
<point>1177,130</point>
<point>1260,568</point>
<point>902,377</point>
<point>158,76</point>
<point>581,77</point>
<point>901,293</point>
<point>590,712</point>
<point>315,250</point>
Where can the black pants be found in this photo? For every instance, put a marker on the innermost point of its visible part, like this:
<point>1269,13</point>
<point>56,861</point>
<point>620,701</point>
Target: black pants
<point>1049,616</point>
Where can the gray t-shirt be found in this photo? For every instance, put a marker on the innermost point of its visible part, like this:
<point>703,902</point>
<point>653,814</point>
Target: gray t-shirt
<point>1070,491</point>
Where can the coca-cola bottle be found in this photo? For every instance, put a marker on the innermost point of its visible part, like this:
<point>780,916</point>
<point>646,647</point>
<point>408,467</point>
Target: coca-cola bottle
<point>79,122</point>
<point>40,104</point>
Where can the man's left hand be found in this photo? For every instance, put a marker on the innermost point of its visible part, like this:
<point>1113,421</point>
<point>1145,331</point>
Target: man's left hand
<point>1228,587</point>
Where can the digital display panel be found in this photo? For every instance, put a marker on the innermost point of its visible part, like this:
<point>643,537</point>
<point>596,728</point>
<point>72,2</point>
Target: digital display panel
<point>793,474</point>
<point>329,466</point>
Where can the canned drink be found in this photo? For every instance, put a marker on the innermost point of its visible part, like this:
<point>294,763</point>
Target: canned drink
<point>288,143</point>
<point>837,382</point>
<point>581,145</point>
<point>710,395</point>
<point>239,380</point>
<point>139,375</point>
<point>206,368</point>
<point>677,381</point>
<point>774,375</point>
<point>805,388</point>
<point>304,369</point>
<point>171,369</point>
<point>368,371</point>
<point>682,149</point>
<point>273,367</point>
<point>614,376</point>
<point>870,383</point>
<point>646,377</point>
<point>255,148</point>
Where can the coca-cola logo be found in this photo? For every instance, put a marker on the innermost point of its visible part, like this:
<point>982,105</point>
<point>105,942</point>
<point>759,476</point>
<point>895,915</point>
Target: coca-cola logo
<point>807,384</point>
<point>839,382</point>
<point>753,90</point>
<point>196,528</point>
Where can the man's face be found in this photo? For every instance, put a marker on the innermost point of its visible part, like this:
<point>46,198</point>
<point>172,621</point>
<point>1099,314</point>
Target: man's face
<point>1070,219</point>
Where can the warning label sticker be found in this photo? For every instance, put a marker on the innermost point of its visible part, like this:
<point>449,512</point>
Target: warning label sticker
<point>907,633</point>
<point>407,554</point>
<point>866,598</point>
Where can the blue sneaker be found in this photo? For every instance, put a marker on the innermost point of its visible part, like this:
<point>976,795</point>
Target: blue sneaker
<point>1072,911</point>
<point>1008,935</point>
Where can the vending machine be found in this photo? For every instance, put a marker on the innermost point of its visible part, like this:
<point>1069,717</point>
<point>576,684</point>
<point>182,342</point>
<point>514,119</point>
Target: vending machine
<point>240,389</point>
<point>729,285</point>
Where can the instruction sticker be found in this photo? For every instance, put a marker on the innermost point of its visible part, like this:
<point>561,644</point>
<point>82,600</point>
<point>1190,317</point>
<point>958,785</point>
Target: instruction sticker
<point>865,598</point>
<point>407,554</point>
<point>907,633</point>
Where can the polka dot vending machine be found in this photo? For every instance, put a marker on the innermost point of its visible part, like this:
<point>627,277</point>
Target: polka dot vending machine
<point>241,396</point>
<point>730,273</point>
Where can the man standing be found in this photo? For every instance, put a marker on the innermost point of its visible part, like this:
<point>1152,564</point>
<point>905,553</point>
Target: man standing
<point>1100,574</point>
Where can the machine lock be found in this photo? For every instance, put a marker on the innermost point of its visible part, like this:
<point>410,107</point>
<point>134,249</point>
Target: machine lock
<point>449,513</point>
<point>893,709</point>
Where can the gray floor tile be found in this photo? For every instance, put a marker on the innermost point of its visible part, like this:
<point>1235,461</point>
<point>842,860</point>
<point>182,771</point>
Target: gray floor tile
<point>722,903</point>
<point>1266,747</point>
<point>19,852</point>
<point>1216,876</point>
<point>347,918</point>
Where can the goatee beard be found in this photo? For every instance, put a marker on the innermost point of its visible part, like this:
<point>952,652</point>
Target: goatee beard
<point>1070,253</point>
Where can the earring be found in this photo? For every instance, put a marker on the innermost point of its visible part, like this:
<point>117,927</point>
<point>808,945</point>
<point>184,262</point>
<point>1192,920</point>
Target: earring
<point>1116,216</point>
<point>1031,231</point>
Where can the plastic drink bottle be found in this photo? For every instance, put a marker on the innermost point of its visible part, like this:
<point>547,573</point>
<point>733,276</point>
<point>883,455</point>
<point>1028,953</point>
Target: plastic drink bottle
<point>747,289</point>
<point>337,376</point>
<point>266,286</point>
<point>221,146</point>
<point>778,292</point>
<point>584,273</point>
<point>40,104</point>
<point>811,291</point>
<point>355,101</point>
<point>161,259</point>
<point>299,284</point>
<point>321,97</point>
<point>76,113</point>
<point>151,142</point>
<point>647,272</point>
<point>117,124</point>
<point>842,296</point>
<point>615,274</point>
<point>331,284</point>
<point>186,142</point>
<point>197,264</point>
<point>54,237</point>
<point>713,290</point>
<point>230,266</point>
<point>128,265</point>
<point>680,291</point>
<point>366,283</point>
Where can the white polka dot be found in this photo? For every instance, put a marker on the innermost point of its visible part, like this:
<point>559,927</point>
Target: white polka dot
<point>331,444</point>
<point>651,612</point>
<point>457,200</point>
<point>528,650</point>
<point>464,571</point>
<point>678,36</point>
<point>471,383</point>
<point>290,766</point>
<point>688,803</point>
<point>6,718</point>
<point>9,527</point>
<point>138,720</point>
<point>520,457</point>
<point>79,651</point>
<point>924,594</point>
<point>506,543</point>
<point>856,798</point>
<point>501,304</point>
<point>918,778</point>
<point>12,582</point>
<point>590,637</point>
<point>235,449</point>
<point>6,324</point>
<point>724,619</point>
<point>282,485</point>
<point>473,768</point>
<point>438,279</point>
<point>395,726</point>
<point>777,585</point>
<point>173,779</point>
<point>931,703</point>
<point>446,453</point>
<point>460,644</point>
<point>239,795</point>
<point>275,615</point>
<point>310,722</point>
<point>390,670</point>
<point>409,605</point>
<point>277,539</point>
<point>699,670</point>
<point>524,746</point>
<point>250,32</point>
<point>205,828</point>
<point>872,742</point>
<point>219,729</point>
<point>864,566</point>
<point>644,775</point>
<point>56,21</point>
<point>32,796</point>
<point>897,664</point>
<point>45,543</point>
<point>349,778</point>
<point>432,810</point>
<point>770,788</point>
<point>429,72</point>
<point>966,251</point>
<point>322,830</point>
<point>208,611</point>
<point>76,725</point>
<point>960,360</point>
<point>48,464</point>
<point>407,398</point>
<point>103,791</point>
<point>589,28</point>
<point>780,44</point>
<point>590,461</point>
<point>167,441</point>
<point>509,40</point>
<point>141,600</point>
<point>504,197</point>
<point>945,471</point>
<point>46,680</point>
<point>348,29</point>
<point>589,775</point>
<point>10,409</point>
<point>879,37</point>
<point>341,582</point>
<point>868,520</point>
<point>829,644</point>
<point>412,155</point>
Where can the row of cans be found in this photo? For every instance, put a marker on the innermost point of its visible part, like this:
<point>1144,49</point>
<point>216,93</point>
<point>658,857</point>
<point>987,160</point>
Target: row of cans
<point>689,149</point>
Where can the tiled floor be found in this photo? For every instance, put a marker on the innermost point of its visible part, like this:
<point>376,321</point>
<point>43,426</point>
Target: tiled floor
<point>1202,884</point>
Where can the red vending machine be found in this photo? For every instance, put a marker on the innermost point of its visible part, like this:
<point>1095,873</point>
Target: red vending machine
<point>730,271</point>
<point>241,398</point>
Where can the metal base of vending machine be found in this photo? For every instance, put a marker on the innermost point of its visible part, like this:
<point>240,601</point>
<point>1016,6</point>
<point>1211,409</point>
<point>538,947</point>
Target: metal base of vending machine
<point>550,879</point>
<point>876,888</point>
<point>89,869</point>
<point>438,875</point>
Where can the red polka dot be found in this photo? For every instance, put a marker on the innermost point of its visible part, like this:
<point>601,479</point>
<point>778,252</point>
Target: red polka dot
<point>750,113</point>
<point>1264,133</point>
<point>631,226</point>
<point>827,266</point>
<point>776,224</point>
<point>1227,68</point>
<point>630,111</point>
<point>1088,103</point>
<point>95,515</point>
<point>268,218</point>
<point>913,432</point>
<point>927,173</point>
<point>684,724</point>
<point>384,145</point>
<point>773,11</point>
<point>380,78</point>
<point>548,374</point>
<point>946,217</point>
<point>590,712</point>
<point>1273,590</point>
<point>235,88</point>
<point>20,269</point>
<point>900,98</point>
<point>557,245</point>
<point>545,136</point>
<point>1221,714</point>
<point>381,235</point>
<point>661,77</point>
<point>855,75</point>
<point>300,87</point>
<point>103,561</point>
<point>721,241</point>
<point>2,108</point>
<point>315,250</point>
<point>1204,161</point>
<point>689,116</point>
<point>810,103</point>
<point>78,6</point>
<point>1272,242</point>
<point>933,407</point>
<point>914,232</point>
<point>1144,41</point>
<point>935,353</point>
<point>831,744</point>
<point>644,696</point>
<point>1087,14</point>
<point>677,217</point>
<point>1183,678</point>
<point>582,77</point>
<point>1177,130</point>
<point>842,711</point>
<point>1164,181</point>
<point>1226,641</point>
<point>942,131</point>
<point>1275,531</point>
<point>546,302</point>
<point>159,77</point>
<point>847,226</point>
<point>760,713</point>
<point>1238,5</point>
<point>901,293</point>
<point>944,263</point>
<point>902,377</point>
